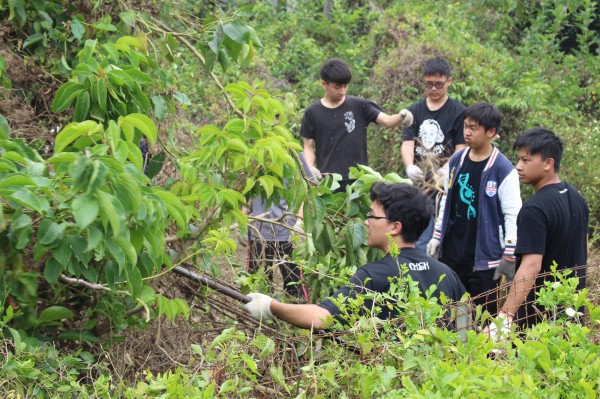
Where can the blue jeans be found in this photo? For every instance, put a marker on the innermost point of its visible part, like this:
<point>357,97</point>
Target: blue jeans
<point>422,242</point>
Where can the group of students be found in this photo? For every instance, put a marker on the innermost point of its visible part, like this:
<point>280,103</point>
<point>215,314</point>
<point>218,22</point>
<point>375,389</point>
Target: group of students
<point>482,231</point>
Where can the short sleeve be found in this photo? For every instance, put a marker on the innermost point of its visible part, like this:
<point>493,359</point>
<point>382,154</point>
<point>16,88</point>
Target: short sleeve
<point>359,283</point>
<point>307,128</point>
<point>409,133</point>
<point>370,111</point>
<point>531,231</point>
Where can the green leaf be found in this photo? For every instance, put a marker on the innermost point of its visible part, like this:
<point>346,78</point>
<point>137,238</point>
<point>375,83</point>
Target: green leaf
<point>29,200</point>
<point>160,107</point>
<point>182,98</point>
<point>53,314</point>
<point>108,212</point>
<point>52,271</point>
<point>156,164</point>
<point>237,31</point>
<point>65,96</point>
<point>33,39</point>
<point>142,123</point>
<point>85,210</point>
<point>62,253</point>
<point>105,27</point>
<point>127,248</point>
<point>48,232</point>
<point>17,180</point>
<point>134,279</point>
<point>79,247</point>
<point>268,182</point>
<point>4,128</point>
<point>77,29</point>
<point>102,93</point>
<point>128,17</point>
<point>82,106</point>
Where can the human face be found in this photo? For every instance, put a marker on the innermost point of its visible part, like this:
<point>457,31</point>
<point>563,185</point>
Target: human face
<point>532,169</point>
<point>377,227</point>
<point>335,93</point>
<point>476,136</point>
<point>436,80</point>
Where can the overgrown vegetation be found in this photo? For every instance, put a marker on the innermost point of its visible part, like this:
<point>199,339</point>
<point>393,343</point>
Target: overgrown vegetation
<point>131,134</point>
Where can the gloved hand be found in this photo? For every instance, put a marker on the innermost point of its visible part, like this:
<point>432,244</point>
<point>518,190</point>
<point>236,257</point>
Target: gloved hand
<point>414,173</point>
<point>316,175</point>
<point>260,307</point>
<point>433,247</point>
<point>504,320</point>
<point>506,268</point>
<point>407,118</point>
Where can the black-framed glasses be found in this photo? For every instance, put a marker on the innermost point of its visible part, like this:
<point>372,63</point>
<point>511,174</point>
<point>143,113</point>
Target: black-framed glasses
<point>371,216</point>
<point>438,85</point>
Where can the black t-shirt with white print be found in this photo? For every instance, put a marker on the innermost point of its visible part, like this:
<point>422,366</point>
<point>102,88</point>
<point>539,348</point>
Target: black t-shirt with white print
<point>375,277</point>
<point>436,132</point>
<point>340,133</point>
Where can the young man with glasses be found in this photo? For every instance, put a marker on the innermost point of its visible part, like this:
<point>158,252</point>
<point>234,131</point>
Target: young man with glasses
<point>399,212</point>
<point>436,132</point>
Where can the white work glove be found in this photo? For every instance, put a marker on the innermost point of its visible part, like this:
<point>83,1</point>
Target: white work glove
<point>506,268</point>
<point>502,321</point>
<point>433,247</point>
<point>407,118</point>
<point>414,173</point>
<point>316,175</point>
<point>260,307</point>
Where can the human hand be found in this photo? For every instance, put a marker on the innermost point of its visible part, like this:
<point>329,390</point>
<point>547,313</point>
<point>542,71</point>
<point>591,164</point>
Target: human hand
<point>506,268</point>
<point>316,175</point>
<point>414,173</point>
<point>407,118</point>
<point>259,307</point>
<point>433,247</point>
<point>504,322</point>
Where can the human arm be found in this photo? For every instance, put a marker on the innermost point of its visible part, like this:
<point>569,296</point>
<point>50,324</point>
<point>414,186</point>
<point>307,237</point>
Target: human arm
<point>530,268</point>
<point>509,194</point>
<point>308,316</point>
<point>403,117</point>
<point>263,307</point>
<point>407,150</point>
<point>309,152</point>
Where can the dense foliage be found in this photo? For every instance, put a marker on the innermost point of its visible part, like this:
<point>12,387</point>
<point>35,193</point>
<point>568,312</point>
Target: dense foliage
<point>131,135</point>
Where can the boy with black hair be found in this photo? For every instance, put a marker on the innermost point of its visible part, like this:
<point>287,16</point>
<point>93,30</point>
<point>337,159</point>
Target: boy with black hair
<point>476,230</point>
<point>335,127</point>
<point>436,132</point>
<point>397,210</point>
<point>552,227</point>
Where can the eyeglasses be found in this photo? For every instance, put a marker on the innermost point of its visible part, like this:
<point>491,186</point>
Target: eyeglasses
<point>371,216</point>
<point>438,85</point>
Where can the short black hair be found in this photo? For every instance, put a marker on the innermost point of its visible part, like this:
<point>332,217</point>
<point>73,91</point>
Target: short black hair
<point>335,70</point>
<point>539,140</point>
<point>437,66</point>
<point>406,204</point>
<point>487,115</point>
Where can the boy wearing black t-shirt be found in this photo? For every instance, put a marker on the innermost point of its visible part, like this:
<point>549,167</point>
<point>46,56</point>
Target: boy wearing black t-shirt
<point>476,230</point>
<point>552,226</point>
<point>335,127</point>
<point>436,131</point>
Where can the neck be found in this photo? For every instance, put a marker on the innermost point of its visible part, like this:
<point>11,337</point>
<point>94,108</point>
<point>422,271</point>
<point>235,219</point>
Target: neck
<point>553,179</point>
<point>327,102</point>
<point>480,154</point>
<point>434,105</point>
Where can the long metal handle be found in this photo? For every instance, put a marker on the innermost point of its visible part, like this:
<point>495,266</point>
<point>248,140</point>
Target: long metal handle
<point>212,284</point>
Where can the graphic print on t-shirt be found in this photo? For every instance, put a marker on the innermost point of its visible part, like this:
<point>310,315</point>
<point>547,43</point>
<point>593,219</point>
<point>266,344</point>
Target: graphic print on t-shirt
<point>350,122</point>
<point>431,137</point>
<point>467,195</point>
